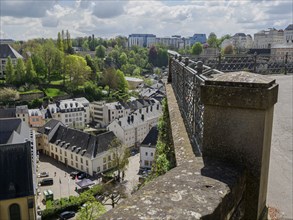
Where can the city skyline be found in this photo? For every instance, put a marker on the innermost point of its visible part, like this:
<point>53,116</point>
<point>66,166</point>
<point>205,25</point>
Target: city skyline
<point>27,19</point>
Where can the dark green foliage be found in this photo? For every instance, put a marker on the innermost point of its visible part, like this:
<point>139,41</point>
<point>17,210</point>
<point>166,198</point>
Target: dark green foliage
<point>71,204</point>
<point>196,48</point>
<point>165,155</point>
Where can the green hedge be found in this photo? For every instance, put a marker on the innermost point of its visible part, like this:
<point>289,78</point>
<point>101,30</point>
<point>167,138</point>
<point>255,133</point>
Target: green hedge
<point>54,208</point>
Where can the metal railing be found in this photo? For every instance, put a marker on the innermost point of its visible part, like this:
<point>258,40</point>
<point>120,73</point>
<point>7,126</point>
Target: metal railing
<point>262,64</point>
<point>187,76</point>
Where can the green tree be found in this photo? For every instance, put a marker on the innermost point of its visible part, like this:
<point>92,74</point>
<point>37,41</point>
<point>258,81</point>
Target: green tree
<point>162,57</point>
<point>77,70</point>
<point>31,74</point>
<point>212,40</point>
<point>110,79</point>
<point>60,42</point>
<point>153,55</point>
<point>120,155</point>
<point>19,72</point>
<point>91,211</point>
<point>196,48</point>
<point>39,65</point>
<point>122,59</point>
<point>100,51</point>
<point>228,50</point>
<point>9,71</point>
<point>122,83</point>
<point>85,46</point>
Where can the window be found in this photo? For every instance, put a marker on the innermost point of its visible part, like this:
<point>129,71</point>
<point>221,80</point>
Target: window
<point>152,154</point>
<point>98,169</point>
<point>14,212</point>
<point>60,158</point>
<point>109,165</point>
<point>71,156</point>
<point>76,158</point>
<point>146,163</point>
<point>71,163</point>
<point>104,160</point>
<point>81,160</point>
<point>109,157</point>
<point>146,153</point>
<point>87,162</point>
<point>60,151</point>
<point>104,166</point>
<point>51,147</point>
<point>56,150</point>
<point>65,153</point>
<point>81,167</point>
<point>76,165</point>
<point>87,170</point>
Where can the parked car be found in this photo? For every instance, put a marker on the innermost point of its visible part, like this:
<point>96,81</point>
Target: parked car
<point>81,175</point>
<point>43,174</point>
<point>46,182</point>
<point>74,174</point>
<point>67,215</point>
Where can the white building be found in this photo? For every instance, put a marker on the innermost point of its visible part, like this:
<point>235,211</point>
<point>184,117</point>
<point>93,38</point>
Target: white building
<point>132,129</point>
<point>104,113</point>
<point>175,42</point>
<point>141,40</point>
<point>71,112</point>
<point>239,41</point>
<point>148,148</point>
<point>288,34</point>
<point>77,149</point>
<point>22,113</point>
<point>267,39</point>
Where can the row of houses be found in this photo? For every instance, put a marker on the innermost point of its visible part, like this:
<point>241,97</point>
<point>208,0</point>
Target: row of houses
<point>265,39</point>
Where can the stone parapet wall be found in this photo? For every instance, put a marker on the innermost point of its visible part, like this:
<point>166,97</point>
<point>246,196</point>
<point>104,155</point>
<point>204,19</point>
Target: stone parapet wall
<point>195,189</point>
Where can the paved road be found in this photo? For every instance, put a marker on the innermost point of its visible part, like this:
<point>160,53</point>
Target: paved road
<point>280,189</point>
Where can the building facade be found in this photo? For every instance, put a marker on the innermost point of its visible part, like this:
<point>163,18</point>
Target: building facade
<point>265,39</point>
<point>141,40</point>
<point>288,34</point>
<point>132,129</point>
<point>279,53</point>
<point>147,148</point>
<point>18,183</point>
<point>70,112</point>
<point>79,150</point>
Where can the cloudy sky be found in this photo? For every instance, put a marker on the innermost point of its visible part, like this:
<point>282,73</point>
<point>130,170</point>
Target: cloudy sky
<point>26,19</point>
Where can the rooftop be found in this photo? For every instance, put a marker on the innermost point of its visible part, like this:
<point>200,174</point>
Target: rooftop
<point>7,51</point>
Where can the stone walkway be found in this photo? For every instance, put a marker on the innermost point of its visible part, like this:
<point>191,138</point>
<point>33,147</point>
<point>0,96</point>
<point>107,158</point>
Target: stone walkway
<point>280,188</point>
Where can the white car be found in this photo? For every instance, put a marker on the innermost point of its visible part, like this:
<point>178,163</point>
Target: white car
<point>43,174</point>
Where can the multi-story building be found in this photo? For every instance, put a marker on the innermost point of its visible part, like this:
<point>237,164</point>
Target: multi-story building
<point>35,118</point>
<point>141,40</point>
<point>147,148</point>
<point>175,42</point>
<point>132,129</point>
<point>22,113</point>
<point>267,39</point>
<point>77,149</point>
<point>70,112</point>
<point>288,34</point>
<point>104,113</point>
<point>240,41</point>
<point>201,38</point>
<point>18,183</point>
<point>7,51</point>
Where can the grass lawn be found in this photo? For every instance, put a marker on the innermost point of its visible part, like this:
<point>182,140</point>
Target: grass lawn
<point>57,82</point>
<point>52,92</point>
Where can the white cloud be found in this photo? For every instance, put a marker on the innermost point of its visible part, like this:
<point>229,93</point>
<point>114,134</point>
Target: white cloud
<point>163,18</point>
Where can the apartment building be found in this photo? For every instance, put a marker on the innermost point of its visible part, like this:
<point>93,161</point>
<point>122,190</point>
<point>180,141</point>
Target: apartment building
<point>77,149</point>
<point>288,34</point>
<point>18,183</point>
<point>21,112</point>
<point>70,112</point>
<point>104,113</point>
<point>141,40</point>
<point>265,39</point>
<point>147,148</point>
<point>132,129</point>
<point>35,118</point>
<point>7,51</point>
